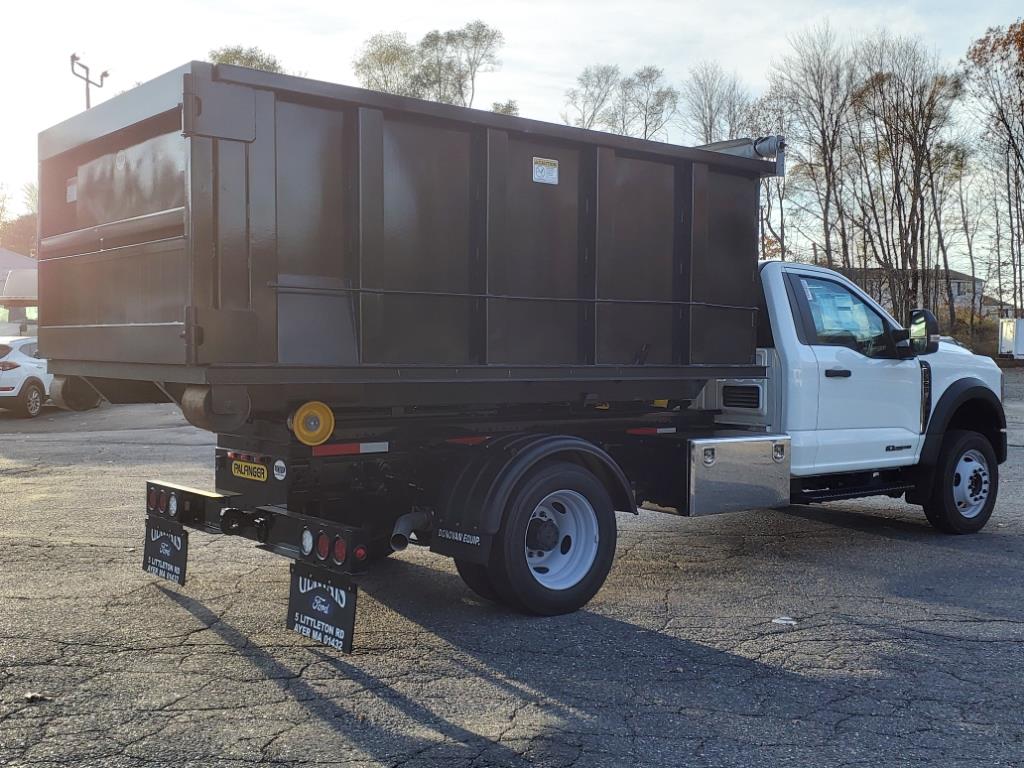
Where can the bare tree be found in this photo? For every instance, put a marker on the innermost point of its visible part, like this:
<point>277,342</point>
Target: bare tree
<point>30,196</point>
<point>767,116</point>
<point>477,46</point>
<point>621,114</point>
<point>655,102</point>
<point>442,66</point>
<point>586,103</point>
<point>388,63</point>
<point>439,73</point>
<point>714,104</point>
<point>816,81</point>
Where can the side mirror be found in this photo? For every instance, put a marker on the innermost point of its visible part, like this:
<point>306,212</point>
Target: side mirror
<point>901,338</point>
<point>924,332</point>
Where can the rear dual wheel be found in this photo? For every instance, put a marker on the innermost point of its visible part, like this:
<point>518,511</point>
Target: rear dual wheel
<point>555,546</point>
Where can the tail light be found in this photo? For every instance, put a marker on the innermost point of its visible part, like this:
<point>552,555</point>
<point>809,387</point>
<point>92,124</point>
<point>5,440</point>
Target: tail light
<point>161,501</point>
<point>151,498</point>
<point>323,545</point>
<point>7,365</point>
<point>307,542</point>
<point>339,551</point>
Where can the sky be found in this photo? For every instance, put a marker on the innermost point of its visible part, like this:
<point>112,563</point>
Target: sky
<point>546,44</point>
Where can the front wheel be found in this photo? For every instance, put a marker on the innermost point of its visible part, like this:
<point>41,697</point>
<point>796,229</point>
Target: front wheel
<point>556,543</point>
<point>966,484</point>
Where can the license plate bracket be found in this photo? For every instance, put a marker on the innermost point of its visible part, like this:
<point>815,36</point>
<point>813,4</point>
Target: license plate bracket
<point>165,553</point>
<point>322,606</point>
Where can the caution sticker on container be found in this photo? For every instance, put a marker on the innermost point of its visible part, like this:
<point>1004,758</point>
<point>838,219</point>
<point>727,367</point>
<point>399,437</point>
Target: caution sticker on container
<point>545,170</point>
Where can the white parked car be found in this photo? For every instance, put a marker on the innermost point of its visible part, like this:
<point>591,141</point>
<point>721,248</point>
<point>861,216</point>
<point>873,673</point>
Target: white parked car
<point>24,381</point>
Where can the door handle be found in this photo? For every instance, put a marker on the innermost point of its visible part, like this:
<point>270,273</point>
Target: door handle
<point>838,373</point>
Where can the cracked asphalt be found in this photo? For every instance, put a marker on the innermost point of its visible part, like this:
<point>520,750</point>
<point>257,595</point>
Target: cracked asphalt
<point>907,647</point>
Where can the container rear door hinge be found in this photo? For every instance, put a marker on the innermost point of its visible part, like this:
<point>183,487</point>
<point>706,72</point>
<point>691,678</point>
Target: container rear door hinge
<point>218,110</point>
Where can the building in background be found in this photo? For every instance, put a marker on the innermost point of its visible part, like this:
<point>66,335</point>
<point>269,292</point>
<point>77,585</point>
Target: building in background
<point>18,293</point>
<point>874,281</point>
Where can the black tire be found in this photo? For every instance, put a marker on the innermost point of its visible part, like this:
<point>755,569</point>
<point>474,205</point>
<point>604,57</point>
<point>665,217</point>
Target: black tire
<point>509,573</point>
<point>477,579</point>
<point>30,401</point>
<point>941,509</point>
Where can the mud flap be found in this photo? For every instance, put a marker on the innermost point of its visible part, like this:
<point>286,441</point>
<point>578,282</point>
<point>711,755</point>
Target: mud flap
<point>322,606</point>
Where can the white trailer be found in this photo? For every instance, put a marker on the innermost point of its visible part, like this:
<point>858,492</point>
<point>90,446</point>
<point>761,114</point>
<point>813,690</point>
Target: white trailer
<point>1011,338</point>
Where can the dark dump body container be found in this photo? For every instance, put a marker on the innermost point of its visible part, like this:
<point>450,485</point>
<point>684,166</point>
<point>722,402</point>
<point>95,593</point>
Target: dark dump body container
<point>223,225</point>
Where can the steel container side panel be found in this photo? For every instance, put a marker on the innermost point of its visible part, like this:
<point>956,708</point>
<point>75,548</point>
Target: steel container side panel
<point>135,284</point>
<point>635,334</point>
<point>310,175</point>
<point>528,332</point>
<point>636,210</point>
<point>421,252</point>
<point>724,269</point>
<point>722,336</point>
<point>126,304</point>
<point>539,254</point>
<point>310,266</point>
<point>417,330</point>
<point>427,213</point>
<point>148,177</point>
<point>538,258</point>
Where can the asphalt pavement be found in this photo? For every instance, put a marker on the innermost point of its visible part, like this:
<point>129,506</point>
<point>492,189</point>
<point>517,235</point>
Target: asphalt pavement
<point>905,646</point>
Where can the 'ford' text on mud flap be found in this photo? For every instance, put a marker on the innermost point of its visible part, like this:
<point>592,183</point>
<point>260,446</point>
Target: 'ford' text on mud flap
<point>322,606</point>
<point>165,553</point>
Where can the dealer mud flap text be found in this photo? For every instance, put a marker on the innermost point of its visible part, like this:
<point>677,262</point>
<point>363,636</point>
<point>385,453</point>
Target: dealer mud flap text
<point>322,606</point>
<point>165,553</point>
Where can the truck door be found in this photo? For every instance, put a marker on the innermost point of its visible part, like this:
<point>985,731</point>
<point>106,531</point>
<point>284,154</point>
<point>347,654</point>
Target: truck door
<point>869,400</point>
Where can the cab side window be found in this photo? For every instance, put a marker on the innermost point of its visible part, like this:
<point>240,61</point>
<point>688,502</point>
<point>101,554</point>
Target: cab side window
<point>843,319</point>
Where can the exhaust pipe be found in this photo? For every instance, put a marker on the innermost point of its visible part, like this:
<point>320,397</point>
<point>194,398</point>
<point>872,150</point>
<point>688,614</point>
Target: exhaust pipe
<point>405,525</point>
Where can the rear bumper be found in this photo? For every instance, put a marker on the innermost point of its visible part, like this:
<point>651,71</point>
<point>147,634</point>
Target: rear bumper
<point>274,528</point>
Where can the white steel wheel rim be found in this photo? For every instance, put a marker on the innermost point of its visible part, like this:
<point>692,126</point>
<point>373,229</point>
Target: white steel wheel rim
<point>971,483</point>
<point>561,540</point>
<point>35,401</point>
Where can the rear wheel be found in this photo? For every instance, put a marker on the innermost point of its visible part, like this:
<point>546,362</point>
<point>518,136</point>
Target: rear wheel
<point>966,484</point>
<point>556,543</point>
<point>30,403</point>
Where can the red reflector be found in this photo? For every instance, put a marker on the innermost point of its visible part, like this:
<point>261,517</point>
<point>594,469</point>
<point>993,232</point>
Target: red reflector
<point>350,449</point>
<point>360,552</point>
<point>339,551</point>
<point>651,431</point>
<point>323,545</point>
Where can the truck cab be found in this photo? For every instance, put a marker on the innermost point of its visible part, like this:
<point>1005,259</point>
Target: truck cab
<point>869,408</point>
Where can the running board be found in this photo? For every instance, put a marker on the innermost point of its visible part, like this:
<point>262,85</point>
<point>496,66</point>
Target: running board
<point>842,494</point>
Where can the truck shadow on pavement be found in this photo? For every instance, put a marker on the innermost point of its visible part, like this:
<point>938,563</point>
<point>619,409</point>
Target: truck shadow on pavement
<point>581,687</point>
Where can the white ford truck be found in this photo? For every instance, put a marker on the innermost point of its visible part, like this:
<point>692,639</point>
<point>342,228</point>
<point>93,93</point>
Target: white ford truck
<point>852,405</point>
<point>870,407</point>
<point>414,323</point>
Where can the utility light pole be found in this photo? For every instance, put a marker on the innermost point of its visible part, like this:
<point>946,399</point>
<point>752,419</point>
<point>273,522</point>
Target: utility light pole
<point>79,70</point>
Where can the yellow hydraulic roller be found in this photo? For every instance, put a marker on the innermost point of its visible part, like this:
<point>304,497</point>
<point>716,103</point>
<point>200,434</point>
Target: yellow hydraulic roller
<point>312,423</point>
